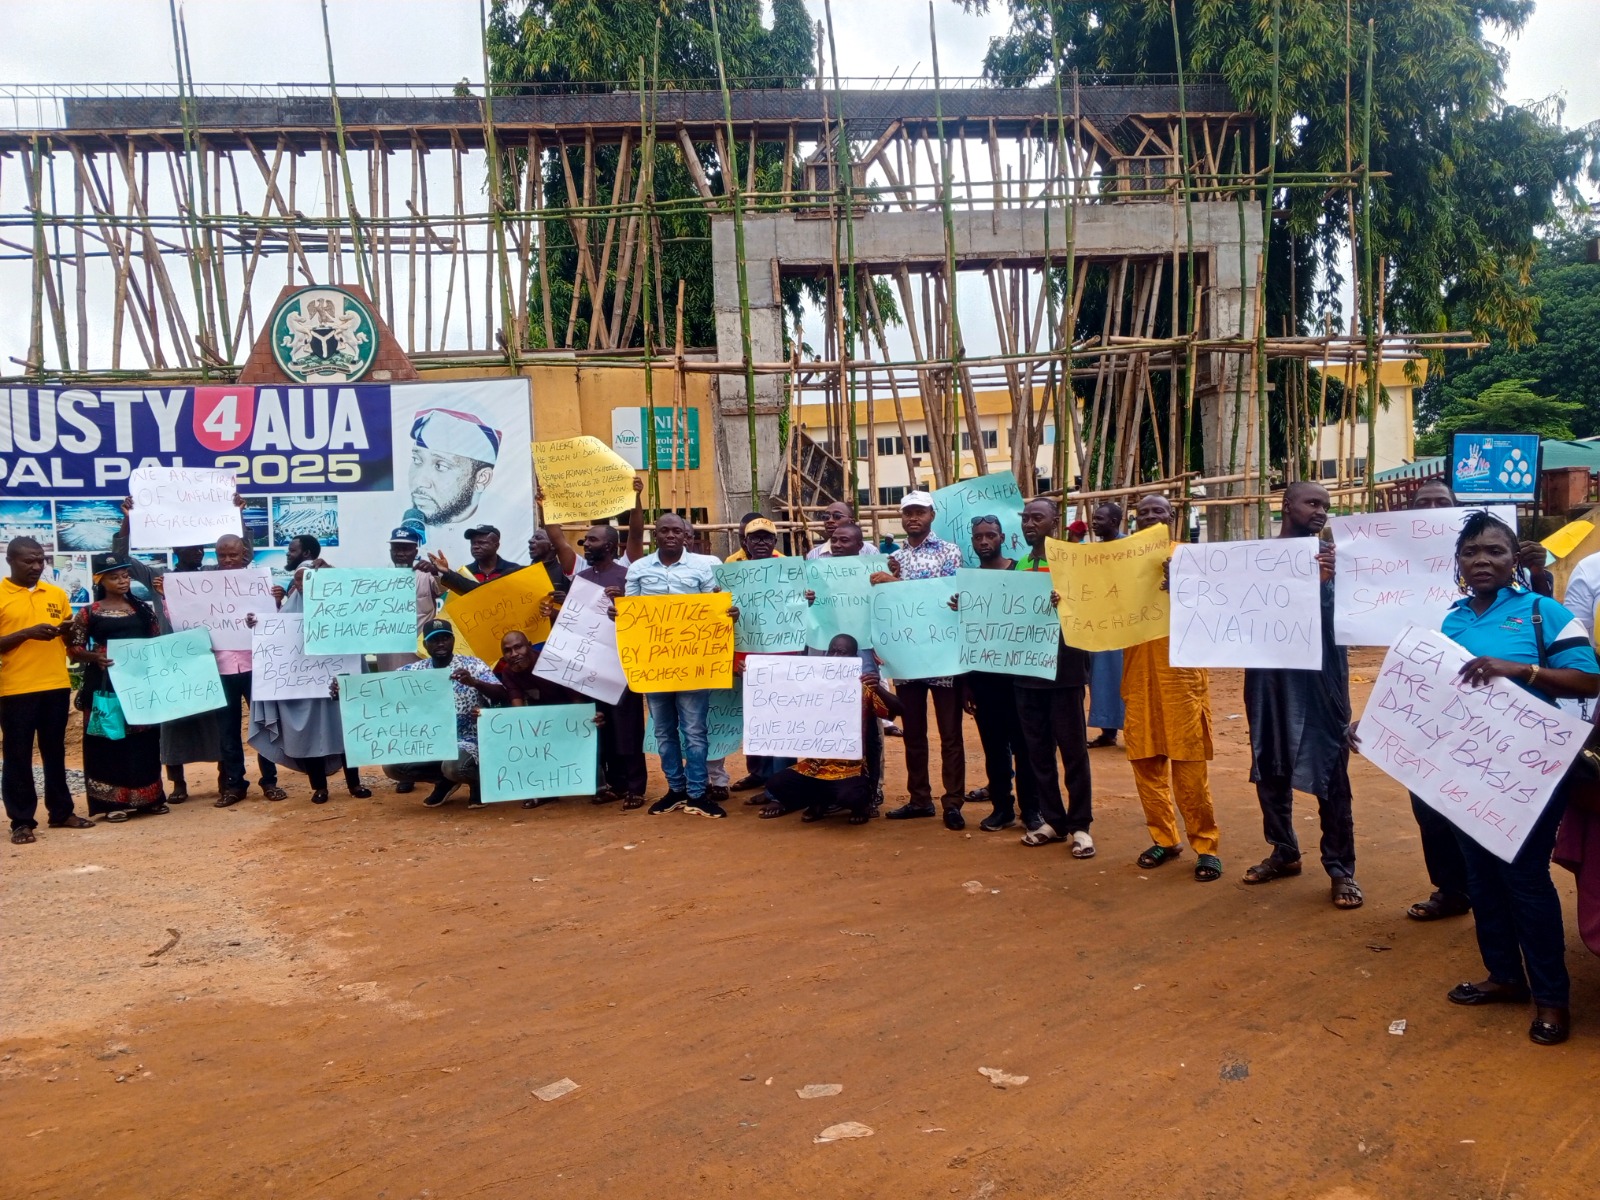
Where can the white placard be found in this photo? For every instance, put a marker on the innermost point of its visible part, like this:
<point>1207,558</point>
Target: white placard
<point>581,651</point>
<point>282,670</point>
<point>181,506</point>
<point>1487,758</point>
<point>800,707</point>
<point>1247,604</point>
<point>1396,568</point>
<point>218,601</point>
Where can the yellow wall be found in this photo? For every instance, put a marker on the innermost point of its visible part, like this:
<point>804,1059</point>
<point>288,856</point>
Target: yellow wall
<point>570,399</point>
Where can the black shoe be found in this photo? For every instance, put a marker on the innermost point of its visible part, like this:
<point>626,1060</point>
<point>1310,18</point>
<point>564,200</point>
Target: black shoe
<point>704,807</point>
<point>1549,1033</point>
<point>671,802</point>
<point>441,793</point>
<point>1473,995</point>
<point>719,794</point>
<point>953,820</point>
<point>1106,740</point>
<point>996,821</point>
<point>1030,823</point>
<point>906,811</point>
<point>405,786</point>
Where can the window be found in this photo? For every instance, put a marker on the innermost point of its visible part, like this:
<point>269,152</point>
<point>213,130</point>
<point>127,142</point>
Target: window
<point>861,447</point>
<point>891,445</point>
<point>1330,468</point>
<point>890,495</point>
<point>1361,468</point>
<point>988,438</point>
<point>863,497</point>
<point>919,443</point>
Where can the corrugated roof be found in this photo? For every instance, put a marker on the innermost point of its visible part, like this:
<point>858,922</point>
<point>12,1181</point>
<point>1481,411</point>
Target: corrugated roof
<point>1553,452</point>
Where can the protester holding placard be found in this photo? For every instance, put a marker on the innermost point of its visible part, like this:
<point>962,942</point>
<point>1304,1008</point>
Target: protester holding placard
<point>121,760</point>
<point>1299,726</point>
<point>405,545</point>
<point>991,698</point>
<point>235,554</point>
<point>567,554</point>
<point>485,564</point>
<point>1537,644</point>
<point>1168,736</point>
<point>824,785</point>
<point>1105,666</point>
<point>34,693</point>
<point>758,539</point>
<point>1050,712</point>
<point>674,570</point>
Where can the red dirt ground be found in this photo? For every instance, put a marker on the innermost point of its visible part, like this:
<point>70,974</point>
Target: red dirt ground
<point>362,996</point>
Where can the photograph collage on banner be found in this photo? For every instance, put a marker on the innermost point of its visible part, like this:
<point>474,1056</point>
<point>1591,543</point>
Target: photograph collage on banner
<point>324,461</point>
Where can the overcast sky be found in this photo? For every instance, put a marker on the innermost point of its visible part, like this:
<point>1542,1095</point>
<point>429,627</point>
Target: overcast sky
<point>437,41</point>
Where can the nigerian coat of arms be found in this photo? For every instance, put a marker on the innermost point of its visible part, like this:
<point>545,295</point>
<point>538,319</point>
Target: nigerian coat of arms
<point>324,335</point>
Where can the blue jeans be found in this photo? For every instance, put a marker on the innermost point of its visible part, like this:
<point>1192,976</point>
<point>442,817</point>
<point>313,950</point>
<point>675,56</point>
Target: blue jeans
<point>235,692</point>
<point>685,713</point>
<point>1518,911</point>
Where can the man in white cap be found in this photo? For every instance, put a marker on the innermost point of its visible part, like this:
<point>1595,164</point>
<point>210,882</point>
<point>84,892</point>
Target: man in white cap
<point>925,556</point>
<point>453,455</point>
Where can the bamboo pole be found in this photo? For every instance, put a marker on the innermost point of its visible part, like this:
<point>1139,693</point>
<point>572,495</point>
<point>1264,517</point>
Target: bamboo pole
<point>363,277</point>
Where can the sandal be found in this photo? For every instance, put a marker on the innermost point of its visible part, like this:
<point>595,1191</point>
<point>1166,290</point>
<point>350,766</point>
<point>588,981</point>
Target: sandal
<point>749,782</point>
<point>117,817</point>
<point>860,818</point>
<point>603,796</point>
<point>1157,856</point>
<point>1439,906</point>
<point>72,822</point>
<point>1207,867</point>
<point>228,799</point>
<point>1271,868</point>
<point>22,837</point>
<point>632,801</point>
<point>812,814</point>
<point>536,802</point>
<point>274,793</point>
<point>1042,836</point>
<point>1346,892</point>
<point>1082,844</point>
<point>772,809</point>
<point>159,810</point>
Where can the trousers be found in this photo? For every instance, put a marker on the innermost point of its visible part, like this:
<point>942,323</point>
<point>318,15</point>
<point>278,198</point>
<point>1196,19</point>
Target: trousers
<point>683,761</point>
<point>1276,797</point>
<point>235,695</point>
<point>793,790</point>
<point>1005,757</point>
<point>1441,853</point>
<point>914,695</point>
<point>27,718</point>
<point>1052,723</point>
<point>1517,911</point>
<point>1188,793</point>
<point>622,765</point>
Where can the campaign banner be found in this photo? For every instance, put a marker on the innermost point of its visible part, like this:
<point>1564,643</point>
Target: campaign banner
<point>344,462</point>
<point>1494,466</point>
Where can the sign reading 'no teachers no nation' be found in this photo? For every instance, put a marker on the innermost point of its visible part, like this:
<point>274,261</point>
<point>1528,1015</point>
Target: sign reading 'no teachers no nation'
<point>1247,604</point>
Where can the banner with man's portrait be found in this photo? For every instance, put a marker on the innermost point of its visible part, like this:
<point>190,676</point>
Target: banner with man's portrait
<point>346,463</point>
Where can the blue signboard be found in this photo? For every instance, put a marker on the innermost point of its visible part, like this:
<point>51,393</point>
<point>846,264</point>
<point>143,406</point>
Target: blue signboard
<point>1495,466</point>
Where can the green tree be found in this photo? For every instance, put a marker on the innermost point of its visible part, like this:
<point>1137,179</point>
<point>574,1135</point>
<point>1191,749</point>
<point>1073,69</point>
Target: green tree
<point>1508,406</point>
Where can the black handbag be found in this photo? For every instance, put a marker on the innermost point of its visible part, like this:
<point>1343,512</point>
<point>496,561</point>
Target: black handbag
<point>1582,780</point>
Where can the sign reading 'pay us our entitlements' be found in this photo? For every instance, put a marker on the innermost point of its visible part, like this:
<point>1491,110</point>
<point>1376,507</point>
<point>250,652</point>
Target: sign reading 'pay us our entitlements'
<point>1487,758</point>
<point>1247,604</point>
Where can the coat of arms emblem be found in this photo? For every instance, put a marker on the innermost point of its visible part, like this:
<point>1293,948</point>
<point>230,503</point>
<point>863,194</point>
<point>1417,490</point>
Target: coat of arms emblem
<point>323,335</point>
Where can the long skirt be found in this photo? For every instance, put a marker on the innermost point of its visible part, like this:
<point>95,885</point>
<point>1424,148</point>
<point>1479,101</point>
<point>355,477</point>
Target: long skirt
<point>196,739</point>
<point>123,774</point>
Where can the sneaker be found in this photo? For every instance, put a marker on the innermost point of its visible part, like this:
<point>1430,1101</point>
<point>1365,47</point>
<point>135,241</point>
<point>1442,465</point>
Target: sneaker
<point>671,802</point>
<point>996,821</point>
<point>442,791</point>
<point>705,807</point>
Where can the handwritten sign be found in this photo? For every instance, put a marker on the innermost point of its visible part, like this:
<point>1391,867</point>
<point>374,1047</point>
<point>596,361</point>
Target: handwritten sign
<point>398,717</point>
<point>771,597</point>
<point>1247,604</point>
<point>843,598</point>
<point>360,610</point>
<point>675,643</point>
<point>1396,568</point>
<point>581,651</point>
<point>1487,758</point>
<point>1007,624</point>
<point>802,707</point>
<point>582,478</point>
<point>995,495</point>
<point>181,506</point>
<point>914,630</point>
<point>1111,594</point>
<point>537,750</point>
<point>218,601</point>
<point>163,678</point>
<point>724,725</point>
<point>282,670</point>
<point>486,614</point>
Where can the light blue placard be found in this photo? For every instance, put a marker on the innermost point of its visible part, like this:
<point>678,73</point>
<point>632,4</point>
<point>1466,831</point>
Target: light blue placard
<point>724,723</point>
<point>843,598</point>
<point>163,678</point>
<point>360,610</point>
<point>537,750</point>
<point>1008,625</point>
<point>771,598</point>
<point>1493,466</point>
<point>398,717</point>
<point>915,632</point>
<point>995,495</point>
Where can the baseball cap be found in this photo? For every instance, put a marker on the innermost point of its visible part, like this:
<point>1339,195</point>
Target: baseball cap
<point>917,500</point>
<point>406,534</point>
<point>480,531</point>
<point>437,626</point>
<point>761,525</point>
<point>1077,527</point>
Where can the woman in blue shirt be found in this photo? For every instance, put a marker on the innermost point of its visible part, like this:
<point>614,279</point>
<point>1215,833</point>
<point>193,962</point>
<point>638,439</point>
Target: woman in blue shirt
<point>1517,907</point>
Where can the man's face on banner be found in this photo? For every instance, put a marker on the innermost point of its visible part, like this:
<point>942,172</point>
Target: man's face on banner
<point>445,487</point>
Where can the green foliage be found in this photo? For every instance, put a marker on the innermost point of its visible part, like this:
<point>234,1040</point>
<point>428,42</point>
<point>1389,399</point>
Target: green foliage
<point>1508,406</point>
<point>601,43</point>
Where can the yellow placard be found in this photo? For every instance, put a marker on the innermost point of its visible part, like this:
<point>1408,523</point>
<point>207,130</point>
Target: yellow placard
<point>490,611</point>
<point>1568,538</point>
<point>582,479</point>
<point>676,643</point>
<point>1111,594</point>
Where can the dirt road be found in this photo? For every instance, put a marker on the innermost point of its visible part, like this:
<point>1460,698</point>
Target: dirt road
<point>362,996</point>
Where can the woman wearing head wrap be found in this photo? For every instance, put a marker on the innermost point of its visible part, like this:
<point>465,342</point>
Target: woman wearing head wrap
<point>121,762</point>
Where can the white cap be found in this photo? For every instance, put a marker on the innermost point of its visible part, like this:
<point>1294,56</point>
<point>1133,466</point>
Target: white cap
<point>916,500</point>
